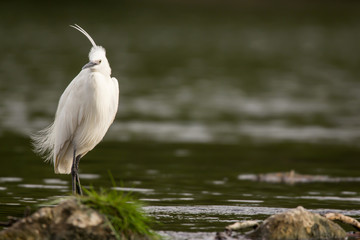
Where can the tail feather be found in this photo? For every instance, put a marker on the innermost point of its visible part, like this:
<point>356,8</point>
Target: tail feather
<point>43,143</point>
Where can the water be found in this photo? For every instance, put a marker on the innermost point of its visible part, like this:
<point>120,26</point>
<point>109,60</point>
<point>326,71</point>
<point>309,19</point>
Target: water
<point>208,93</point>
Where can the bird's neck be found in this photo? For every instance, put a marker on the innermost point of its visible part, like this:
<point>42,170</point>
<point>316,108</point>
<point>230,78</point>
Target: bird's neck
<point>106,71</point>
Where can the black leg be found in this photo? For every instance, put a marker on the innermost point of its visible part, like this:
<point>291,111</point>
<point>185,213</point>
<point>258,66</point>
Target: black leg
<point>73,174</point>
<point>78,185</point>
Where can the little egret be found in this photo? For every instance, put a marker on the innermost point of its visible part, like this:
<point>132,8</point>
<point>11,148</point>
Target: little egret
<point>85,112</point>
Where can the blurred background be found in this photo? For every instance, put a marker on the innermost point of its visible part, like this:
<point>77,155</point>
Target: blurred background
<point>209,91</point>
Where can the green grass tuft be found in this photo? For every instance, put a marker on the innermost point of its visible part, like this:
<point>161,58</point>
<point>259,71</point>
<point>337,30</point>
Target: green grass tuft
<point>124,213</point>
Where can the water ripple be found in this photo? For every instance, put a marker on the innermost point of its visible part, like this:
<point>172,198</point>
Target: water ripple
<point>42,186</point>
<point>231,210</point>
<point>128,189</point>
<point>10,179</point>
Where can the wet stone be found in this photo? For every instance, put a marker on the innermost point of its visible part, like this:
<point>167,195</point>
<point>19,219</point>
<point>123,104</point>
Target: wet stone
<point>297,223</point>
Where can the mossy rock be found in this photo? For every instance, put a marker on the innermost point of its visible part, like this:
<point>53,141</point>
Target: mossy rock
<point>68,220</point>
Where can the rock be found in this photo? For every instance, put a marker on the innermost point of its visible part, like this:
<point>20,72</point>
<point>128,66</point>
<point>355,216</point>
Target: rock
<point>297,223</point>
<point>68,220</point>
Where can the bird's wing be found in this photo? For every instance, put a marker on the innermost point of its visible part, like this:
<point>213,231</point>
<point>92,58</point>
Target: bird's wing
<point>116,96</point>
<point>69,115</point>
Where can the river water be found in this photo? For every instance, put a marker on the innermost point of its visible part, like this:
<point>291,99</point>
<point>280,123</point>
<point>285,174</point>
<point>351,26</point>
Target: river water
<point>208,94</point>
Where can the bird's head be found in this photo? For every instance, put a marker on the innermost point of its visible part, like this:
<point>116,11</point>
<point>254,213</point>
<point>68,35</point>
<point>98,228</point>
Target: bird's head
<point>98,61</point>
<point>97,55</point>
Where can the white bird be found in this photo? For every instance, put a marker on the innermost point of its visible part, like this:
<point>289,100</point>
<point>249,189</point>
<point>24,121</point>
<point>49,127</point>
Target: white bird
<point>85,112</point>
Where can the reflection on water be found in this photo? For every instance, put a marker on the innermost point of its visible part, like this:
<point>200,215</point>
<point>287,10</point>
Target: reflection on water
<point>42,186</point>
<point>130,189</point>
<point>208,93</point>
<point>10,179</point>
<point>228,210</point>
<point>55,181</point>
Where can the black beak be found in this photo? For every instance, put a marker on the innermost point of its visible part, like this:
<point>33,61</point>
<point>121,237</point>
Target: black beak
<point>89,64</point>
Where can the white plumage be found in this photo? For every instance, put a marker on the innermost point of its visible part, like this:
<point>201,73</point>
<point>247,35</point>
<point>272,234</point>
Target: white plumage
<point>85,111</point>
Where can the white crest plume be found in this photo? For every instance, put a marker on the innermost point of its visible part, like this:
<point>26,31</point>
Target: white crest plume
<point>80,29</point>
